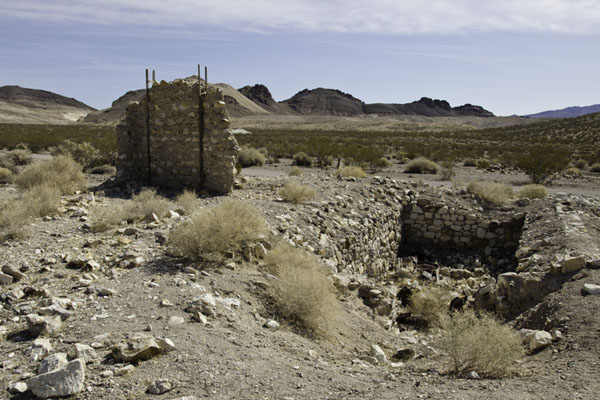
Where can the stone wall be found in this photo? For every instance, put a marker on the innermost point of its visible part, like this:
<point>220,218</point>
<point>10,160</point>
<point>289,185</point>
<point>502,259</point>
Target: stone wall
<point>191,144</point>
<point>431,226</point>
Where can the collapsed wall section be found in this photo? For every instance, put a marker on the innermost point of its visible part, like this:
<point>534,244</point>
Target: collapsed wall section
<point>178,136</point>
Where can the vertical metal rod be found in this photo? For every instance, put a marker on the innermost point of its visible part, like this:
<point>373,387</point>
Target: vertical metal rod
<point>148,127</point>
<point>153,76</point>
<point>206,77</point>
<point>201,129</point>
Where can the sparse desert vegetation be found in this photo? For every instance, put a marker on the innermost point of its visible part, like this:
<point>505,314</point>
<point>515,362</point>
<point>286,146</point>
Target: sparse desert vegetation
<point>422,165</point>
<point>351,172</point>
<point>532,192</point>
<point>491,192</point>
<point>249,156</point>
<point>296,193</point>
<point>61,172</point>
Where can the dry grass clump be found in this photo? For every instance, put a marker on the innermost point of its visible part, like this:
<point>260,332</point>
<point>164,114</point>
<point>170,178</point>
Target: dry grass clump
<point>296,193</point>
<point>304,295</point>
<point>188,200</point>
<point>480,343</point>
<point>104,219</point>
<point>381,162</point>
<point>595,167</point>
<point>249,156</point>
<point>302,159</point>
<point>573,172</point>
<point>422,165</point>
<point>6,175</point>
<point>532,192</point>
<point>20,156</point>
<point>580,164</point>
<point>61,172</point>
<point>212,232</point>
<point>83,153</point>
<point>351,172</point>
<point>41,200</point>
<point>491,192</point>
<point>448,172</point>
<point>431,303</point>
<point>295,171</point>
<point>13,219</point>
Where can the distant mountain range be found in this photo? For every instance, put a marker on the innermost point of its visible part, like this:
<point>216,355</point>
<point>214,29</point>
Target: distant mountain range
<point>22,105</point>
<point>568,112</point>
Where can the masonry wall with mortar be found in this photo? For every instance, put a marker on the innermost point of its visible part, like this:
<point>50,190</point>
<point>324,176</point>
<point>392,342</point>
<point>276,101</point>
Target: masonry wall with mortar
<point>191,144</point>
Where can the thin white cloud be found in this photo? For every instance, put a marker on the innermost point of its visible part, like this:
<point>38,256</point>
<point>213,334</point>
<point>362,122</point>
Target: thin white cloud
<point>360,16</point>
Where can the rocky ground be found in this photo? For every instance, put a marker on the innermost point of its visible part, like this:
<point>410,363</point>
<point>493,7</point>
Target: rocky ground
<point>134,322</point>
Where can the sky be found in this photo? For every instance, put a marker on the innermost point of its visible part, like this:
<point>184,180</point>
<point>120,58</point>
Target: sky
<point>509,56</point>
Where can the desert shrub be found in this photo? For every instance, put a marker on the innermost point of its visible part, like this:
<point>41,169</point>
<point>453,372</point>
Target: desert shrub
<point>6,175</point>
<point>573,172</point>
<point>61,172</point>
<point>480,343</point>
<point>249,156</point>
<point>491,192</point>
<point>304,295</point>
<point>20,156</point>
<point>351,172</point>
<point>532,192</point>
<point>146,203</point>
<point>580,164</point>
<point>187,200</point>
<point>543,164</point>
<point>103,219</point>
<point>448,172</point>
<point>422,165</point>
<point>84,153</point>
<point>295,171</point>
<point>595,167</point>
<point>482,163</point>
<point>296,193</point>
<point>381,162</point>
<point>212,232</point>
<point>41,200</point>
<point>14,218</point>
<point>324,161</point>
<point>430,303</point>
<point>469,162</point>
<point>104,169</point>
<point>302,159</point>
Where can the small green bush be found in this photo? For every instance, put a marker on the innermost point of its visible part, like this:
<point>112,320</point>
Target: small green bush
<point>381,162</point>
<point>543,164</point>
<point>470,162</point>
<point>296,193</point>
<point>83,153</point>
<point>532,192</point>
<point>249,156</point>
<point>20,156</point>
<point>480,343</point>
<point>482,163</point>
<point>212,232</point>
<point>304,294</point>
<point>302,159</point>
<point>61,172</point>
<point>491,192</point>
<point>422,165</point>
<point>580,164</point>
<point>448,172</point>
<point>595,167</point>
<point>6,175</point>
<point>351,172</point>
<point>573,172</point>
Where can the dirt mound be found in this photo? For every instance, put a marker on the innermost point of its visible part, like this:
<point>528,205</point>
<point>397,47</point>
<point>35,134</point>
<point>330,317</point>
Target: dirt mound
<point>33,106</point>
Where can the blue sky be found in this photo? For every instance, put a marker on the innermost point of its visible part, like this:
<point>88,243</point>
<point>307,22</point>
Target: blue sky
<point>511,57</point>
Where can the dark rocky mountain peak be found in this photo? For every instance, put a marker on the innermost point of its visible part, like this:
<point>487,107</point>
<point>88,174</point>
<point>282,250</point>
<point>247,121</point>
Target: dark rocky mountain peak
<point>258,93</point>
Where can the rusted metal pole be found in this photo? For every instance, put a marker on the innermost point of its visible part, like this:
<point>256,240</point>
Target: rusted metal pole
<point>153,76</point>
<point>206,77</point>
<point>148,126</point>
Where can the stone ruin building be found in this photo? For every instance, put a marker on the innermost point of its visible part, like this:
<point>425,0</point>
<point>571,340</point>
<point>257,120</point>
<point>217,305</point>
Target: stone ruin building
<point>176,137</point>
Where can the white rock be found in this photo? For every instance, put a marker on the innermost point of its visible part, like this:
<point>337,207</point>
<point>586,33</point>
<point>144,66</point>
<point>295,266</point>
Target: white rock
<point>535,340</point>
<point>85,352</point>
<point>18,388</point>
<point>124,370</point>
<point>591,289</point>
<point>53,362</point>
<point>45,326</point>
<point>40,348</point>
<point>271,324</point>
<point>378,353</point>
<point>63,382</point>
<point>472,375</point>
<point>165,344</point>
<point>5,279</point>
<point>161,386</point>
<point>572,264</point>
<point>176,320</point>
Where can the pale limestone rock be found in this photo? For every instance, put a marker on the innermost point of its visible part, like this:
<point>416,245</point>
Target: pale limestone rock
<point>62,382</point>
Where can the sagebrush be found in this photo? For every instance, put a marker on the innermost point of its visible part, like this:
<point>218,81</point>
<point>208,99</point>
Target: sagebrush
<point>351,172</point>
<point>430,303</point>
<point>249,156</point>
<point>532,192</point>
<point>480,343</point>
<point>491,192</point>
<point>296,193</point>
<point>61,172</point>
<point>212,232</point>
<point>422,165</point>
<point>304,294</point>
